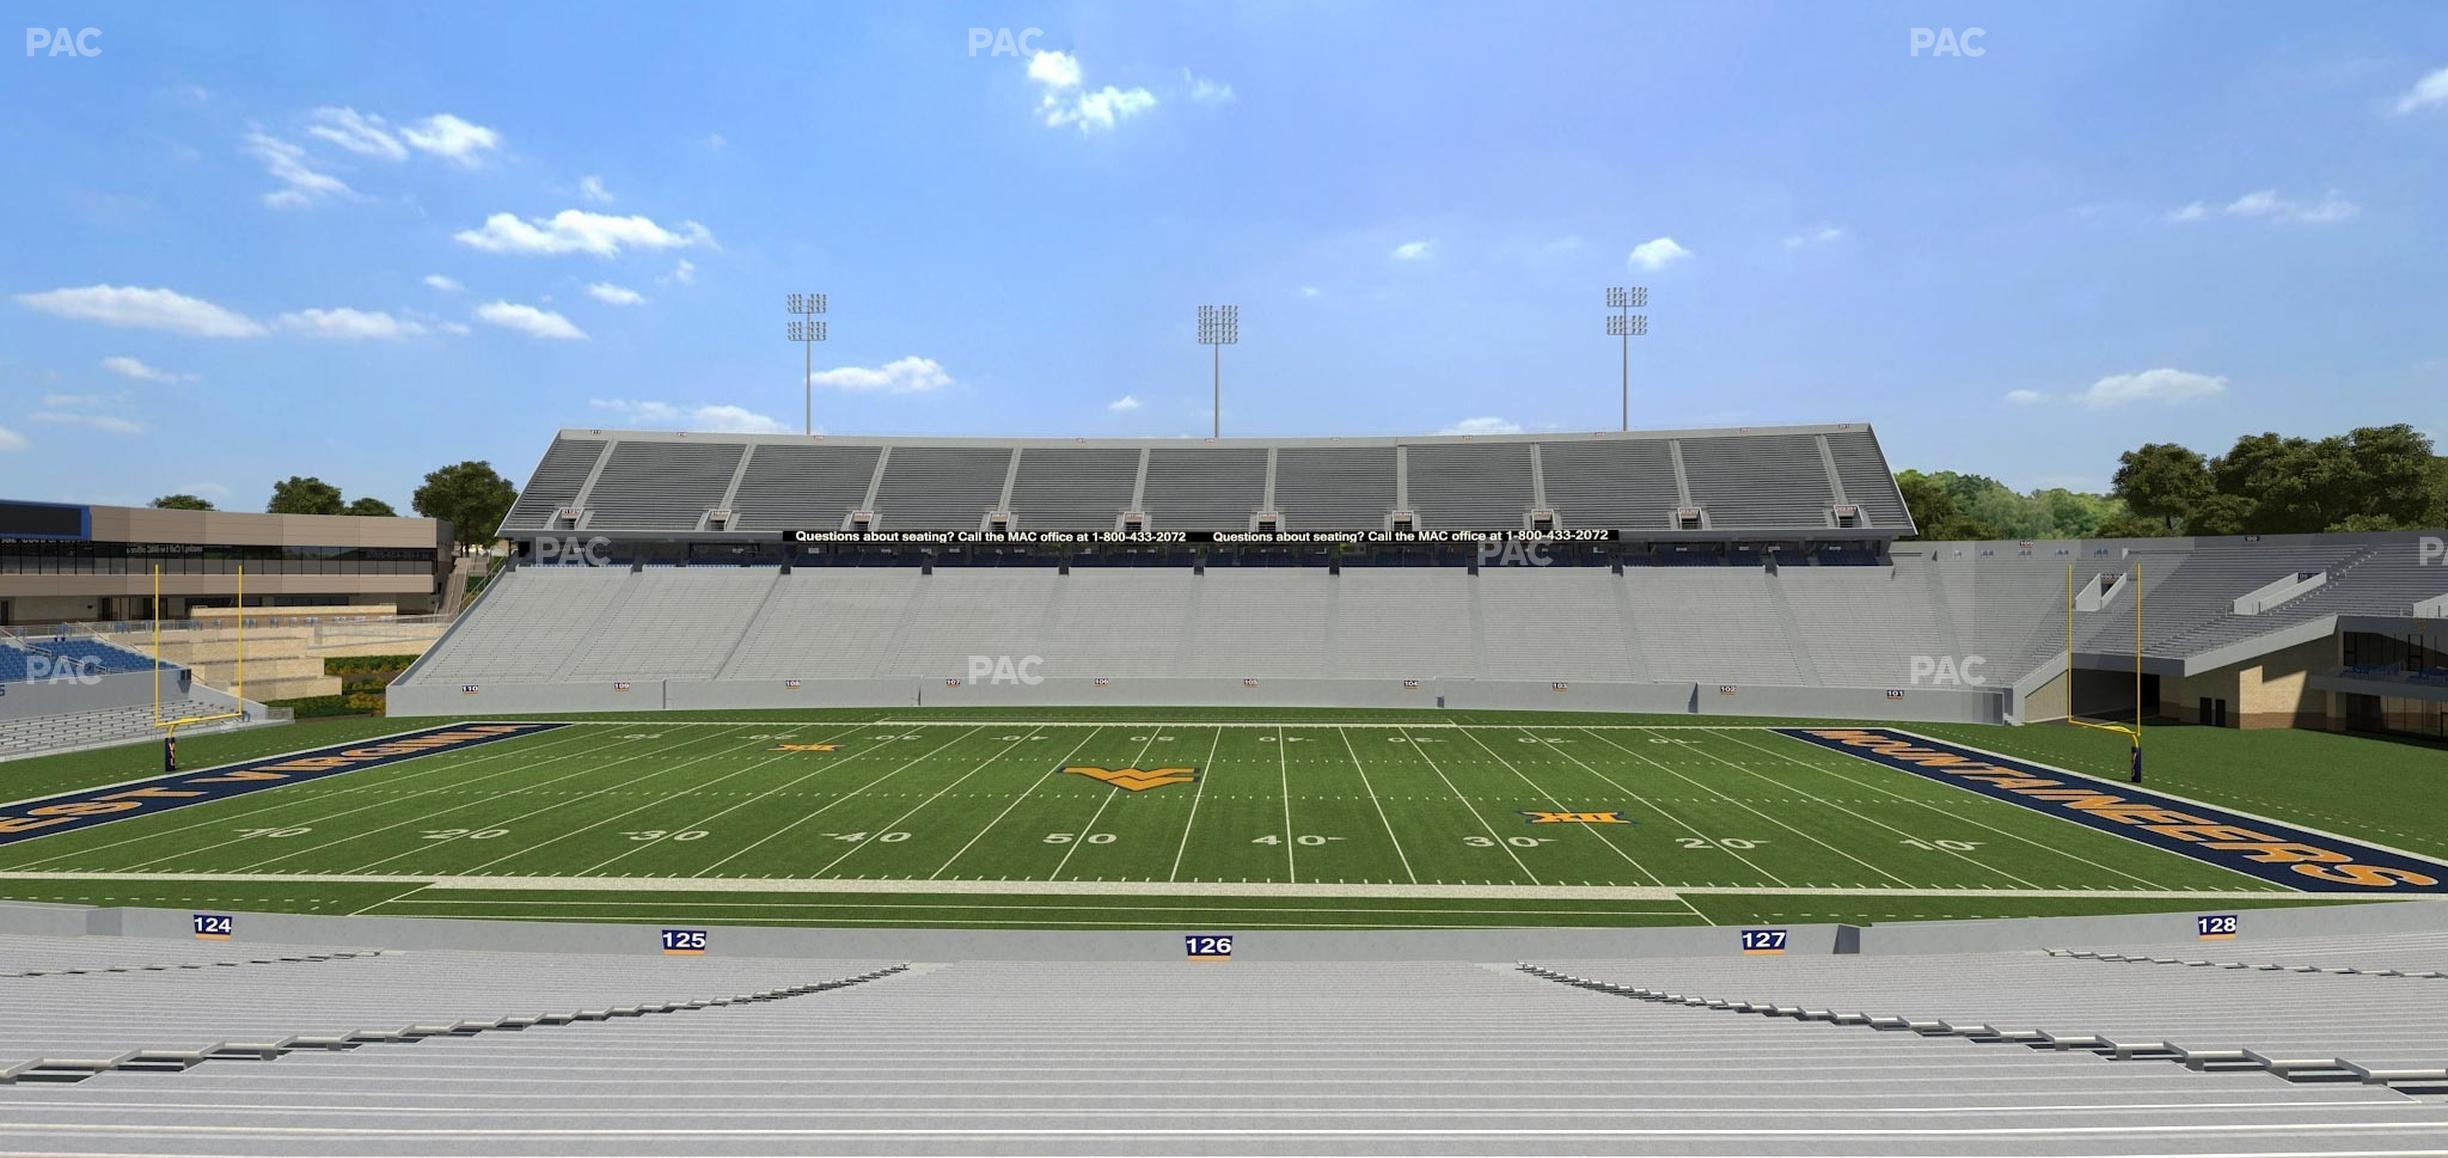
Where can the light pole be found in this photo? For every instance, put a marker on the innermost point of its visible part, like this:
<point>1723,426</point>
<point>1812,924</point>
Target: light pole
<point>1218,327</point>
<point>807,332</point>
<point>1627,326</point>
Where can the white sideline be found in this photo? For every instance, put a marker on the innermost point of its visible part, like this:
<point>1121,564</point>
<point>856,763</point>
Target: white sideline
<point>1135,888</point>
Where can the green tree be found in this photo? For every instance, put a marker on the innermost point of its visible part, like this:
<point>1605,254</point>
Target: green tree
<point>371,507</point>
<point>2128,525</point>
<point>304,496</point>
<point>471,495</point>
<point>180,502</point>
<point>2162,481</point>
<point>2396,478</point>
<point>1934,508</point>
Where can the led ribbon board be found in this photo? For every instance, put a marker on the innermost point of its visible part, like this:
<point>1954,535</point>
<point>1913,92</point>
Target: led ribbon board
<point>71,811</point>
<point>2278,853</point>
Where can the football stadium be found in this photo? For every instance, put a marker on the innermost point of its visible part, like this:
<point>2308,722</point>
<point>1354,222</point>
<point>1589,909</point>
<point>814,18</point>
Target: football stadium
<point>1059,781</point>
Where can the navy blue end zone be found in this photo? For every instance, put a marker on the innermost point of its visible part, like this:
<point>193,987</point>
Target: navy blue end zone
<point>2278,853</point>
<point>84,808</point>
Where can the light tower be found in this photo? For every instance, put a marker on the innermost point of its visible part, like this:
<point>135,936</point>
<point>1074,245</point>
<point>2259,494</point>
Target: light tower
<point>1627,326</point>
<point>1218,327</point>
<point>807,331</point>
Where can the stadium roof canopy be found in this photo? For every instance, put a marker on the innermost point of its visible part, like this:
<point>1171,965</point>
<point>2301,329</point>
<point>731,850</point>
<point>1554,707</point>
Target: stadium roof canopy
<point>1760,482</point>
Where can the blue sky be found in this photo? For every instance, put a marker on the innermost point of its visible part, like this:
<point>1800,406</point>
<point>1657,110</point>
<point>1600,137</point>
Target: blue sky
<point>359,242</point>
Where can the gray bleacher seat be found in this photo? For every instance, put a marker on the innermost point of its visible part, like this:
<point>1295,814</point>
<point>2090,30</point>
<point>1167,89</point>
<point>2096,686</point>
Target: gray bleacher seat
<point>936,488</point>
<point>649,484</point>
<point>1627,484</point>
<point>814,488</point>
<point>1469,486</point>
<point>565,467</point>
<point>1073,489</point>
<point>1204,490</point>
<point>1334,488</point>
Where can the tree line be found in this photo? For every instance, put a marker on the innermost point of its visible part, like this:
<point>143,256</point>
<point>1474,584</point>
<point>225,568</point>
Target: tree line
<point>2371,478</point>
<point>471,496</point>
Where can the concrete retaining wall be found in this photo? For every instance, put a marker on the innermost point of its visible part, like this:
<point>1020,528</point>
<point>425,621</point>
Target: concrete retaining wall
<point>1491,945</point>
<point>1981,706</point>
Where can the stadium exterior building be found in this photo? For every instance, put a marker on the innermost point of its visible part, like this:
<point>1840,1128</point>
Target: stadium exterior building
<point>74,563</point>
<point>1766,571</point>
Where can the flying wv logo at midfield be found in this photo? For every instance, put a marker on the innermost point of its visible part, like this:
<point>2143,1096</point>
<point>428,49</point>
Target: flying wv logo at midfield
<point>1135,780</point>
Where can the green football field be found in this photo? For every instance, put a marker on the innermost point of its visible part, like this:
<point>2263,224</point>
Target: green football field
<point>1242,820</point>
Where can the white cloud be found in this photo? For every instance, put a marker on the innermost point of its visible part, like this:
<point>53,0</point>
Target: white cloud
<point>1055,69</point>
<point>685,273</point>
<point>2025,398</point>
<point>106,423</point>
<point>1124,405</point>
<point>2161,385</point>
<point>2268,205</point>
<point>1092,111</point>
<point>1310,291</point>
<point>2428,93</point>
<point>11,440</point>
<point>127,367</point>
<point>1483,426</point>
<point>910,375</point>
<point>301,183</point>
<point>529,320</point>
<point>359,133</point>
<point>448,285</point>
<point>451,139</point>
<point>1823,235</point>
<point>1413,250</point>
<point>578,231</point>
<point>1065,102</point>
<point>1206,92</point>
<point>591,188</point>
<point>604,291</point>
<point>1657,254</point>
<point>713,419</point>
<point>350,325</point>
<point>150,309</point>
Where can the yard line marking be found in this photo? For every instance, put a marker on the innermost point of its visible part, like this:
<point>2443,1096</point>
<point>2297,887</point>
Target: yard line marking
<point>1558,805</point>
<point>572,736</point>
<point>1747,770</point>
<point>1024,794</point>
<point>931,799</point>
<point>1408,742</point>
<point>320,819</point>
<point>2146,881</point>
<point>427,818</point>
<point>1711,790</point>
<point>1197,791</point>
<point>1379,804</point>
<point>842,799</point>
<point>793,782</point>
<point>660,800</point>
<point>1283,763</point>
<point>1099,814</point>
<point>1687,827</point>
<point>388,900</point>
